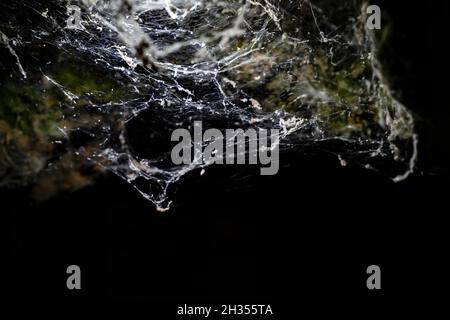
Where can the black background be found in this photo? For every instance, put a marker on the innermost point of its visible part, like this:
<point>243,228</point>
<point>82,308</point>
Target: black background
<point>305,235</point>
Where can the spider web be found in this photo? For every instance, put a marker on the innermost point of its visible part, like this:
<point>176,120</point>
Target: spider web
<point>307,68</point>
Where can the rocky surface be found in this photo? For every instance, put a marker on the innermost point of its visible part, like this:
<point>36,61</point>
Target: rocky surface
<point>108,94</point>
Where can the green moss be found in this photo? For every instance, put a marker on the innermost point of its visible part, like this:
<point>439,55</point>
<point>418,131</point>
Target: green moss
<point>26,108</point>
<point>84,81</point>
<point>344,83</point>
<point>31,115</point>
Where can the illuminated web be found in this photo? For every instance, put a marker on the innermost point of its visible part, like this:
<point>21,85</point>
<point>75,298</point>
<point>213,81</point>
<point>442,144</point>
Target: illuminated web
<point>308,68</point>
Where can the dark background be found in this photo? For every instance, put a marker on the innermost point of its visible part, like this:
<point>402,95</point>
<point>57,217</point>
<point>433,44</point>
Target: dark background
<point>305,235</point>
